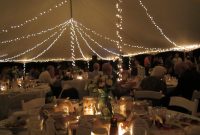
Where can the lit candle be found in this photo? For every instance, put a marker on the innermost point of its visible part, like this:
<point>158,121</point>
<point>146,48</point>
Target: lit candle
<point>19,81</point>
<point>3,87</point>
<point>124,104</point>
<point>125,128</point>
<point>79,77</point>
<point>89,105</point>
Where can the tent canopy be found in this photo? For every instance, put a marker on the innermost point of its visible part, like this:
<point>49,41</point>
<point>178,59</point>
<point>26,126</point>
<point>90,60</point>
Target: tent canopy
<point>179,20</point>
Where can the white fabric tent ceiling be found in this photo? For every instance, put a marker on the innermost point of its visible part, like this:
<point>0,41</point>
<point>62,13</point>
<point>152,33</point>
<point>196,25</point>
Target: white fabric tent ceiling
<point>179,20</point>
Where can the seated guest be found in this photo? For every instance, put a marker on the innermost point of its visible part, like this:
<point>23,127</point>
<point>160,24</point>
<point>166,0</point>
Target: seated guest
<point>48,76</point>
<point>137,70</point>
<point>34,73</point>
<point>95,71</point>
<point>188,79</point>
<point>107,69</point>
<point>154,81</point>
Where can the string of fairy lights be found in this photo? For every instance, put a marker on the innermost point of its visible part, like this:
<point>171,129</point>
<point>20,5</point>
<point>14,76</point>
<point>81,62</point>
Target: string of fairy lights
<point>112,52</point>
<point>112,40</point>
<point>155,24</point>
<point>72,33</point>
<point>3,55</point>
<point>77,29</point>
<point>119,23</point>
<point>34,34</point>
<point>34,18</point>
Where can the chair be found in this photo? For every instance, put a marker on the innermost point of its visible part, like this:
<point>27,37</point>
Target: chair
<point>33,104</point>
<point>71,93</point>
<point>196,95</point>
<point>147,94</point>
<point>154,96</point>
<point>189,105</point>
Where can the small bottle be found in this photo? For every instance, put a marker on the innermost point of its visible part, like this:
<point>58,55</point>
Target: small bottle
<point>113,128</point>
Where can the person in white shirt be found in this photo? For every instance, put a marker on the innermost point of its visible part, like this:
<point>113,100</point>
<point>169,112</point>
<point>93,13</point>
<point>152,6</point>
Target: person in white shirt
<point>48,76</point>
<point>95,71</point>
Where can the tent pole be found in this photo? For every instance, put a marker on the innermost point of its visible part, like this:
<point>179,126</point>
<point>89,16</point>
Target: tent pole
<point>71,9</point>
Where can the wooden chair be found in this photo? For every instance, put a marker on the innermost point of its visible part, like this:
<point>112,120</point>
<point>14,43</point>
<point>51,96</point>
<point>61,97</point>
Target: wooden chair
<point>184,103</point>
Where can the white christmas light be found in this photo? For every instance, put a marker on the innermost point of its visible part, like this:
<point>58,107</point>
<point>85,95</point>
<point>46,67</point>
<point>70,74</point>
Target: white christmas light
<point>72,33</point>
<point>3,55</point>
<point>129,63</point>
<point>157,27</point>
<point>111,40</point>
<point>77,42</point>
<point>119,24</point>
<point>34,34</point>
<point>34,18</point>
<point>24,68</point>
<point>36,46</point>
<point>48,46</point>
<point>97,42</point>
<point>89,45</point>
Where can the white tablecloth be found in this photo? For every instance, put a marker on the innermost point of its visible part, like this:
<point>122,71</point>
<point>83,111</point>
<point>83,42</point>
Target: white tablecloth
<point>11,101</point>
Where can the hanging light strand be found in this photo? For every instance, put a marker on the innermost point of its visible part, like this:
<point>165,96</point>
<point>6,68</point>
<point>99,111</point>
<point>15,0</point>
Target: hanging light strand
<point>89,45</point>
<point>36,46</point>
<point>72,36</point>
<point>97,42</point>
<point>77,42</point>
<point>24,68</point>
<point>34,18</point>
<point>119,24</point>
<point>35,34</point>
<point>44,51</point>
<point>3,55</point>
<point>111,40</point>
<point>157,27</point>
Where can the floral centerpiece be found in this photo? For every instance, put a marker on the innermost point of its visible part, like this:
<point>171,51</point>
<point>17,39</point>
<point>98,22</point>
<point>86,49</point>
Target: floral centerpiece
<point>101,87</point>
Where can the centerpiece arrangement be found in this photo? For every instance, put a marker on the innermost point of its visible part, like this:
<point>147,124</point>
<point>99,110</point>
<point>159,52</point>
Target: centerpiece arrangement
<point>101,88</point>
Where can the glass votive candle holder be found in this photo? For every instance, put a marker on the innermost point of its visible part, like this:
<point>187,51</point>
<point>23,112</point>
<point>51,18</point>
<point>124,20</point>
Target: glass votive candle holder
<point>89,105</point>
<point>125,128</point>
<point>125,104</point>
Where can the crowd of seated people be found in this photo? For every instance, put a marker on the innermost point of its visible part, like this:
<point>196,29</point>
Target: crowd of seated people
<point>147,77</point>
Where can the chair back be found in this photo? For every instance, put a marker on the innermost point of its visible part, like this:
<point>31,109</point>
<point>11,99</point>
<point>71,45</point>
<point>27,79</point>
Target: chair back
<point>71,93</point>
<point>196,95</point>
<point>142,94</point>
<point>184,103</point>
<point>33,104</point>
